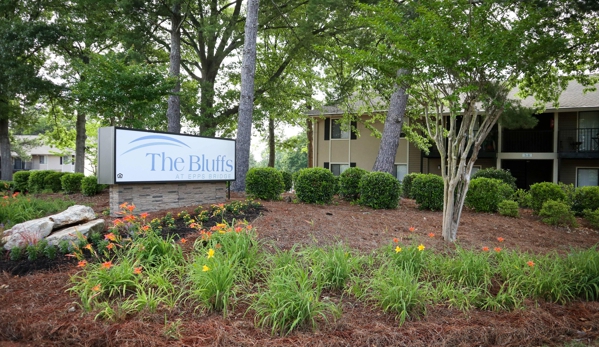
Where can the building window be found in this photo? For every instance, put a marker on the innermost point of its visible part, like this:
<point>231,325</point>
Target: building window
<point>401,170</point>
<point>587,177</point>
<point>42,159</point>
<point>337,132</point>
<point>338,169</point>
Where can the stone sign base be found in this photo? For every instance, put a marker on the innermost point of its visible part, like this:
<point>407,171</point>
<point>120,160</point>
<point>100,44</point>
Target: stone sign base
<point>149,197</point>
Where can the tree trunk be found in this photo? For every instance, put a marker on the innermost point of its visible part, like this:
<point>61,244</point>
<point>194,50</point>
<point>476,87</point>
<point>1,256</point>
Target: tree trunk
<point>385,159</point>
<point>271,142</point>
<point>5,158</point>
<point>173,113</point>
<point>246,102</point>
<point>80,143</point>
<point>207,121</point>
<point>310,134</point>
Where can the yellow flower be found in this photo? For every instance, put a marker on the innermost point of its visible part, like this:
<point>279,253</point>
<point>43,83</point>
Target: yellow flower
<point>210,253</point>
<point>205,268</point>
<point>397,249</point>
<point>421,247</point>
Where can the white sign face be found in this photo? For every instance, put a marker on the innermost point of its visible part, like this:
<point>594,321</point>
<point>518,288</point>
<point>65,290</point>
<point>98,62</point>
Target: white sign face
<point>142,156</point>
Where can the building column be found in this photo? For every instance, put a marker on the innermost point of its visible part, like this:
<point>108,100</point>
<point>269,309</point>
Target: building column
<point>555,146</point>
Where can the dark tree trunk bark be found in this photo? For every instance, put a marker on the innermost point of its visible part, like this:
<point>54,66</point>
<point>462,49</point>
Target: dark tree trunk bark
<point>392,130</point>
<point>271,142</point>
<point>246,102</point>
<point>6,162</point>
<point>173,113</point>
<point>207,121</point>
<point>80,143</point>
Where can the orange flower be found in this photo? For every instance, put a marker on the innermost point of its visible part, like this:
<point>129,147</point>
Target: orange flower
<point>5,197</point>
<point>145,228</point>
<point>129,218</point>
<point>123,205</point>
<point>500,239</point>
<point>137,270</point>
<point>110,246</point>
<point>411,229</point>
<point>238,229</point>
<point>218,246</point>
<point>183,240</point>
<point>82,263</point>
<point>530,263</point>
<point>117,222</point>
<point>396,240</point>
<point>497,249</point>
<point>249,227</point>
<point>485,249</point>
<point>431,235</point>
<point>96,288</point>
<point>88,246</point>
<point>15,194</point>
<point>110,236</point>
<point>131,208</point>
<point>107,265</point>
<point>144,215</point>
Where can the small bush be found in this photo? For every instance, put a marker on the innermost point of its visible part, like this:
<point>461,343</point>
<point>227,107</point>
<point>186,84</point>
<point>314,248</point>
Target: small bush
<point>349,183</point>
<point>379,190</point>
<point>500,174</point>
<point>569,190</point>
<point>522,197</point>
<point>21,179</point>
<point>90,186</point>
<point>406,184</point>
<point>508,208</point>
<point>7,186</point>
<point>287,180</point>
<point>544,191</point>
<point>485,194</point>
<point>315,185</point>
<point>52,181</point>
<point>264,183</point>
<point>585,198</point>
<point>427,190</point>
<point>592,216</point>
<point>36,180</point>
<point>71,182</point>
<point>557,213</point>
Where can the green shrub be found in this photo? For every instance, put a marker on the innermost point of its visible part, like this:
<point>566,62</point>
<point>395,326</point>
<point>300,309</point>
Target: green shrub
<point>21,179</point>
<point>427,190</point>
<point>569,190</point>
<point>500,174</point>
<point>36,182</point>
<point>484,194</point>
<point>508,208</point>
<point>71,182</point>
<point>315,185</point>
<point>557,213</point>
<point>287,180</point>
<point>544,191</point>
<point>522,197</point>
<point>349,183</point>
<point>379,190</point>
<point>585,198</point>
<point>52,181</point>
<point>90,186</point>
<point>592,216</point>
<point>264,183</point>
<point>7,186</point>
<point>406,184</point>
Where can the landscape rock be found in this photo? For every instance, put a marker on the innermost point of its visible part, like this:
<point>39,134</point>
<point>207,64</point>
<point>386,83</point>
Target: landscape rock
<point>73,214</point>
<point>32,231</point>
<point>71,233</point>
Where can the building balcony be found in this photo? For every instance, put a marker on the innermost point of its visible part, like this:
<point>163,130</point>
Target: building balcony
<point>580,143</point>
<point>528,140</point>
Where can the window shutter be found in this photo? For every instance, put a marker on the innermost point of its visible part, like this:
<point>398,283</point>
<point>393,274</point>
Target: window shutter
<point>352,134</point>
<point>327,129</point>
<point>352,164</point>
<point>326,165</point>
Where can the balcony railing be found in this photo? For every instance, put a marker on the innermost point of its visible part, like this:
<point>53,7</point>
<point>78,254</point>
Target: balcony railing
<point>580,141</point>
<point>527,141</point>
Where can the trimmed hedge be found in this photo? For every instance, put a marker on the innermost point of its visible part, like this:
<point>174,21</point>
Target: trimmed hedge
<point>315,185</point>
<point>90,186</point>
<point>557,213</point>
<point>485,194</point>
<point>349,183</point>
<point>427,190</point>
<point>21,179</point>
<point>287,180</point>
<point>264,183</point>
<point>379,190</point>
<point>406,185</point>
<point>71,182</point>
<point>592,216</point>
<point>52,181</point>
<point>544,191</point>
<point>37,179</point>
<point>500,174</point>
<point>585,198</point>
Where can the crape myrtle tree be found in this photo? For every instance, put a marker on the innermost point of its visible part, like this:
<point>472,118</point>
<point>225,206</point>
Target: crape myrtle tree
<point>464,57</point>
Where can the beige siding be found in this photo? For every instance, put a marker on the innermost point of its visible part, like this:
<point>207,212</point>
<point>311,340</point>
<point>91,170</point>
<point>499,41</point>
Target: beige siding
<point>414,160</point>
<point>567,168</point>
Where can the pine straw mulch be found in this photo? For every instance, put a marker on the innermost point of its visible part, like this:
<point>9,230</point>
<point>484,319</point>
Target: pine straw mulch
<point>35,309</point>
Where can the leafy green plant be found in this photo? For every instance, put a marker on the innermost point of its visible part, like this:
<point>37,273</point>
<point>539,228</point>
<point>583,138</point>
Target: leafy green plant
<point>52,181</point>
<point>287,180</point>
<point>427,190</point>
<point>349,183</point>
<point>544,191</point>
<point>406,184</point>
<point>7,187</point>
<point>18,208</point>
<point>508,208</point>
<point>523,198</point>
<point>585,198</point>
<point>16,253</point>
<point>90,186</point>
<point>592,217</point>
<point>379,190</point>
<point>21,179</point>
<point>333,265</point>
<point>557,213</point>
<point>499,174</point>
<point>264,183</point>
<point>71,182</point>
<point>36,180</point>
<point>315,185</point>
<point>485,194</point>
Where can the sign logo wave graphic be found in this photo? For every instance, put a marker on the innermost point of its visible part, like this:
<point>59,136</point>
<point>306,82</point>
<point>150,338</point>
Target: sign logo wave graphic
<point>160,140</point>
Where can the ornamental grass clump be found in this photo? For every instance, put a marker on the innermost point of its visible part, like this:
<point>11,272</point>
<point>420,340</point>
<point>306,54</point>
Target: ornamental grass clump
<point>315,185</point>
<point>379,190</point>
<point>333,265</point>
<point>349,183</point>
<point>264,183</point>
<point>17,208</point>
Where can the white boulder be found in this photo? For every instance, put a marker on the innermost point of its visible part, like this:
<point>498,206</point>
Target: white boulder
<point>71,233</point>
<point>29,232</point>
<point>72,215</point>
